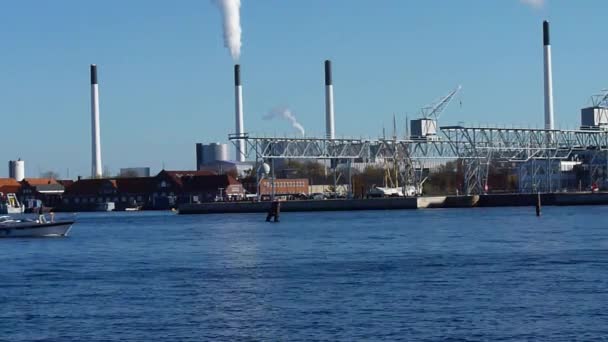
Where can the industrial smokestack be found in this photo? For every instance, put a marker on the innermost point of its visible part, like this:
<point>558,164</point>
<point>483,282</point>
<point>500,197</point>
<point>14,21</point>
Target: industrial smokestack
<point>96,170</point>
<point>549,119</point>
<point>238,94</point>
<point>329,103</point>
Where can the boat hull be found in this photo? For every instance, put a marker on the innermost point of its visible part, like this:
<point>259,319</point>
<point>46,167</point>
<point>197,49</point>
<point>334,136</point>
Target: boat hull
<point>53,229</point>
<point>11,210</point>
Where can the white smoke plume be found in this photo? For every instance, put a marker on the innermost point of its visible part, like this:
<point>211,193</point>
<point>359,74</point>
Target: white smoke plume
<point>533,3</point>
<point>231,16</point>
<point>287,114</point>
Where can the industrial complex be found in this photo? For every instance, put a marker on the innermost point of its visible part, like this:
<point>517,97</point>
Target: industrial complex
<point>542,160</point>
<point>481,160</point>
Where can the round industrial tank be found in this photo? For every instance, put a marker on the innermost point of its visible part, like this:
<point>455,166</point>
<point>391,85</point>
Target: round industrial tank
<point>17,169</point>
<point>208,154</point>
<point>220,152</point>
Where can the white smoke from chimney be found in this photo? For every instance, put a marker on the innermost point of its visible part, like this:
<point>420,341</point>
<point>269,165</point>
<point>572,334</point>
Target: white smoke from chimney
<point>231,17</point>
<point>534,3</point>
<point>287,114</point>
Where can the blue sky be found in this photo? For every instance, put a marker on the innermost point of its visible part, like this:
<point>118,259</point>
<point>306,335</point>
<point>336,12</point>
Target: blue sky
<point>166,77</point>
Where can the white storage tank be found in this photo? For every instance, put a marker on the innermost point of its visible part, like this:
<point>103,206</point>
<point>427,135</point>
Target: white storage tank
<point>16,169</point>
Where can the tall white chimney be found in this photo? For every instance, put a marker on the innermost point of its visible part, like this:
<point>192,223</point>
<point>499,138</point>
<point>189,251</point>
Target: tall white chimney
<point>96,169</point>
<point>238,94</point>
<point>549,119</point>
<point>329,103</point>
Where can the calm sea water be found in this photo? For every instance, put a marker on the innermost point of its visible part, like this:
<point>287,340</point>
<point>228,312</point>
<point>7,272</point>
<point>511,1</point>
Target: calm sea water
<point>470,274</point>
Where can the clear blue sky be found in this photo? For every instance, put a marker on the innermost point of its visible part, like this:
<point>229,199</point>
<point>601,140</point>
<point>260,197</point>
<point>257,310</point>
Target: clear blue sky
<point>166,77</point>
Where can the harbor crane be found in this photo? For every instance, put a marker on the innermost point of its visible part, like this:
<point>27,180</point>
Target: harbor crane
<point>600,99</point>
<point>425,127</point>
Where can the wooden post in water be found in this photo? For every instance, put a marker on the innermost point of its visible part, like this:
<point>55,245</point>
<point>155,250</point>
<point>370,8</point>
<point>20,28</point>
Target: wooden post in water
<point>275,211</point>
<point>538,204</point>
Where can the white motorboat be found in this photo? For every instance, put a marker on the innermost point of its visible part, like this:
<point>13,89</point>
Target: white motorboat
<point>11,227</point>
<point>9,204</point>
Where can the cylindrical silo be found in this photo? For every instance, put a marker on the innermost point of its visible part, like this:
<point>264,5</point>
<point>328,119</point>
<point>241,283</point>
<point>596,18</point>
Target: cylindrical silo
<point>220,152</point>
<point>16,169</point>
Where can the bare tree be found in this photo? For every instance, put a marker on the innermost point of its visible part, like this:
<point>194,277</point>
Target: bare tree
<point>49,174</point>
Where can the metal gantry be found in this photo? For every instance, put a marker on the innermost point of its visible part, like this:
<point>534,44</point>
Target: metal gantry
<point>409,156</point>
<point>537,153</point>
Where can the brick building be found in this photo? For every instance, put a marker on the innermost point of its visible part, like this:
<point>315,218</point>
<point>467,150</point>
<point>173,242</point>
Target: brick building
<point>284,187</point>
<point>36,191</point>
<point>166,190</point>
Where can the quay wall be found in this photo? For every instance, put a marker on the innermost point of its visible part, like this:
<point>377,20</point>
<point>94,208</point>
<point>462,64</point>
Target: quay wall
<point>491,200</point>
<point>300,206</point>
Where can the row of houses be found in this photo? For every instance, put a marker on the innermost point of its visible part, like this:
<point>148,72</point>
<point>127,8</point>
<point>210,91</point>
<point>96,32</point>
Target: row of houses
<point>166,190</point>
<point>34,191</point>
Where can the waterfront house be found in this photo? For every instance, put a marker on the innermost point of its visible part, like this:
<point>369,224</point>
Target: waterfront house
<point>35,192</point>
<point>87,194</point>
<point>134,192</point>
<point>168,188</point>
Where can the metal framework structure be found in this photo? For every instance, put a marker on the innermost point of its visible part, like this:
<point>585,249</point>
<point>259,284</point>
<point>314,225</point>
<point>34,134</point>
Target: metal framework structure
<point>409,156</point>
<point>537,153</point>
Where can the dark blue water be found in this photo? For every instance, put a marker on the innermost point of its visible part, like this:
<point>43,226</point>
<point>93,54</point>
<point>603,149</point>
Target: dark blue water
<point>476,274</point>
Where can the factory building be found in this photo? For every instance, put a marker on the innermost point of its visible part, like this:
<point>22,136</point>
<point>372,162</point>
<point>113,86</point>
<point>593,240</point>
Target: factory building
<point>214,158</point>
